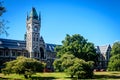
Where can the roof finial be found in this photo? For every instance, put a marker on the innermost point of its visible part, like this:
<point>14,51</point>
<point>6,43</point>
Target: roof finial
<point>39,15</point>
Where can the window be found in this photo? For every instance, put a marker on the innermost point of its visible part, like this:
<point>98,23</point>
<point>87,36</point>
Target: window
<point>48,64</point>
<point>1,53</point>
<point>25,54</point>
<point>18,54</point>
<point>42,53</point>
<point>33,38</point>
<point>38,54</point>
<point>6,53</point>
<point>37,39</point>
<point>13,53</point>
<point>35,54</point>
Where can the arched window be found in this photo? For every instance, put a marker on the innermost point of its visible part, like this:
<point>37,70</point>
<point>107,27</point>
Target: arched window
<point>42,53</point>
<point>35,54</point>
<point>48,64</point>
<point>1,53</point>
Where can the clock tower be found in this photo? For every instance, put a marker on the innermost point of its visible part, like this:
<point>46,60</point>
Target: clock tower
<point>33,25</point>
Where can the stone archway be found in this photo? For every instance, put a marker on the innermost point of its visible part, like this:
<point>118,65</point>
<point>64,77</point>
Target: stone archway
<point>42,52</point>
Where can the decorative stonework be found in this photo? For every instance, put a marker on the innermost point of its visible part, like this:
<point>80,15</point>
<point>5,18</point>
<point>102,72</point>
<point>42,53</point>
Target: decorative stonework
<point>33,40</point>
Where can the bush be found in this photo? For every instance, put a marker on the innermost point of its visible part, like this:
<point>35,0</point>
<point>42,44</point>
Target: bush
<point>23,65</point>
<point>74,66</point>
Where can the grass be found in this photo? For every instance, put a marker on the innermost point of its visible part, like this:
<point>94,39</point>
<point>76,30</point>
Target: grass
<point>60,76</point>
<point>107,75</point>
<point>37,76</point>
<point>11,77</point>
<point>43,76</point>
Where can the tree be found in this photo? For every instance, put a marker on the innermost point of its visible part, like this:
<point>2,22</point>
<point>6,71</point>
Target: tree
<point>74,66</point>
<point>57,65</point>
<point>2,9</point>
<point>114,63</point>
<point>82,69</point>
<point>63,63</point>
<point>75,56</point>
<point>115,48</point>
<point>78,46</point>
<point>23,65</point>
<point>3,26</point>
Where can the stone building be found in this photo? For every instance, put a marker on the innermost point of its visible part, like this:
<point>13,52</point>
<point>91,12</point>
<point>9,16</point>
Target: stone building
<point>34,45</point>
<point>104,56</point>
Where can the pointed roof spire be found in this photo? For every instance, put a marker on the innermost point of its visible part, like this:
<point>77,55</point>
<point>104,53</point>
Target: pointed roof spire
<point>41,38</point>
<point>33,13</point>
<point>39,16</point>
<point>27,16</point>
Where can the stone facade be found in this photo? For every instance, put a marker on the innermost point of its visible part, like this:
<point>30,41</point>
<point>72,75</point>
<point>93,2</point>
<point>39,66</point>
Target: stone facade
<point>104,56</point>
<point>34,43</point>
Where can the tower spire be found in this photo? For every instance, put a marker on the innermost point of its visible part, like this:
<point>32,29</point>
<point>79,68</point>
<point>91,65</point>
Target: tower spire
<point>27,16</point>
<point>33,13</point>
<point>39,15</point>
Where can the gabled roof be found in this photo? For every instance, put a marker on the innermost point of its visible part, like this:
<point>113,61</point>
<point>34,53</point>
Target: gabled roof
<point>103,49</point>
<point>97,49</point>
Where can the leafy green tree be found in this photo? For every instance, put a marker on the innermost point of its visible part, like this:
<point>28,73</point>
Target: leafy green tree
<point>2,8</point>
<point>57,65</point>
<point>23,65</point>
<point>64,62</point>
<point>81,69</point>
<point>114,63</point>
<point>3,26</point>
<point>74,66</point>
<point>115,48</point>
<point>67,60</point>
<point>78,46</point>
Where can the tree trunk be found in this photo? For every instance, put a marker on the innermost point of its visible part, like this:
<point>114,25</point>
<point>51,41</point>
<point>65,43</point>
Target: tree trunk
<point>26,76</point>
<point>71,76</point>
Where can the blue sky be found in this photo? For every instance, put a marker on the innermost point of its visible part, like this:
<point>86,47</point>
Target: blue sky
<point>96,20</point>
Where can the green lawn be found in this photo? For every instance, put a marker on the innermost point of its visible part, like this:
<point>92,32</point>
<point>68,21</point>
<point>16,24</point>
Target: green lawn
<point>61,76</point>
<point>107,75</point>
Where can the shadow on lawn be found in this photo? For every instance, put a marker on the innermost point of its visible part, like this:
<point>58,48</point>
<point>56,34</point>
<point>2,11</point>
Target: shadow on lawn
<point>106,77</point>
<point>8,79</point>
<point>32,78</point>
<point>50,78</point>
<point>42,78</point>
<point>115,73</point>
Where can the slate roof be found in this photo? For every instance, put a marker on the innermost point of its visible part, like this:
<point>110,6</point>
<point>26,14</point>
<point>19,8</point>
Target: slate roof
<point>19,44</point>
<point>33,13</point>
<point>102,49</point>
<point>97,49</point>
<point>50,47</point>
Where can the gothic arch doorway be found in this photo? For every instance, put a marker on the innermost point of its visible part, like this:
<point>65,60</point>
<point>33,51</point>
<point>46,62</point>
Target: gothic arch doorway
<point>42,53</point>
